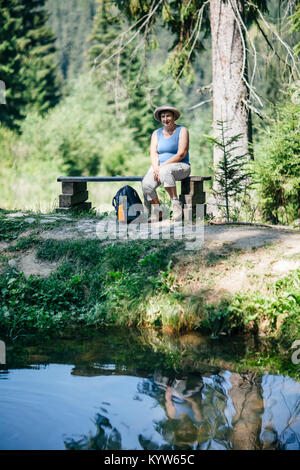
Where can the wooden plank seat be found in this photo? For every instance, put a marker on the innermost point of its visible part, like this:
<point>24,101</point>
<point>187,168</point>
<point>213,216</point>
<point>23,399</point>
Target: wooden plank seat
<point>75,195</point>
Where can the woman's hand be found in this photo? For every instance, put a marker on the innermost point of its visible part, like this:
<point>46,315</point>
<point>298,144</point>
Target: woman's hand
<point>156,173</point>
<point>154,156</point>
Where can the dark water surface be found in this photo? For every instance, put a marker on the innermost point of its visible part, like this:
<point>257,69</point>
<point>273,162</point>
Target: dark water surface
<point>124,390</point>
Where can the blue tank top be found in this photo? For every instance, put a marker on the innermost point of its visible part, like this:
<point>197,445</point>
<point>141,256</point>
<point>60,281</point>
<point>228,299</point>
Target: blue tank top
<point>167,148</point>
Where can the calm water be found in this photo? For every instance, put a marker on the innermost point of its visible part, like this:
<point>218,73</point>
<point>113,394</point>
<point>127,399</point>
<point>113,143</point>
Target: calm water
<point>123,391</point>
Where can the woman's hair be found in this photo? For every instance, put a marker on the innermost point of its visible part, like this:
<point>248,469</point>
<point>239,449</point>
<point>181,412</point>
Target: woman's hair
<point>166,111</point>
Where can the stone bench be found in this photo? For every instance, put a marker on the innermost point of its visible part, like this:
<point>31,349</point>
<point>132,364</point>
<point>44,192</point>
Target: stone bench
<point>75,195</point>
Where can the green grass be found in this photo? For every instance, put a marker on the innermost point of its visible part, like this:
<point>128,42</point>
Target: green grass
<point>134,284</point>
<point>93,285</point>
<point>11,229</point>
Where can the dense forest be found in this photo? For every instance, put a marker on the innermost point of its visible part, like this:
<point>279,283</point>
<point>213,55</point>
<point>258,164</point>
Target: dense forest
<point>75,105</point>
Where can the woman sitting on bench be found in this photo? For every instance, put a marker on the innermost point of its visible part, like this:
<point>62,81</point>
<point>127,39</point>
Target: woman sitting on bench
<point>169,153</point>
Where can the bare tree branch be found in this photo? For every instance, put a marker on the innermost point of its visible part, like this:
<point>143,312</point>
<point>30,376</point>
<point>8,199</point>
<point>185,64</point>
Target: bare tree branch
<point>293,69</point>
<point>241,25</point>
<point>199,104</point>
<point>147,18</point>
<point>197,29</point>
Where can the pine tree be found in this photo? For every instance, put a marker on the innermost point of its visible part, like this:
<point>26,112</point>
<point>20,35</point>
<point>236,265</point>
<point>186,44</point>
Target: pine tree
<point>230,176</point>
<point>27,64</point>
<point>11,63</point>
<point>39,64</point>
<point>72,22</point>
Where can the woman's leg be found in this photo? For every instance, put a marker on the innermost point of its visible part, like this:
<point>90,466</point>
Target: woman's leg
<point>172,191</point>
<point>149,185</point>
<point>168,175</point>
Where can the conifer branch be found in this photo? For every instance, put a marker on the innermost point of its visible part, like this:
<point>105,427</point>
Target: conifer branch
<point>146,17</point>
<point>196,28</point>
<point>241,25</point>
<point>293,68</point>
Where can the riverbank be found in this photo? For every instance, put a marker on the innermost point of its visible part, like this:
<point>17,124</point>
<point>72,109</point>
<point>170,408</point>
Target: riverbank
<point>57,274</point>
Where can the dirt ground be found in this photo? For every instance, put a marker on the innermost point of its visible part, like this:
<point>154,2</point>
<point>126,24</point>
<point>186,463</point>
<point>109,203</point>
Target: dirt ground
<point>240,258</point>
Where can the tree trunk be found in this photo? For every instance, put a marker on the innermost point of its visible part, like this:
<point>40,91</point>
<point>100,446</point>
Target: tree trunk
<point>230,91</point>
<point>247,398</point>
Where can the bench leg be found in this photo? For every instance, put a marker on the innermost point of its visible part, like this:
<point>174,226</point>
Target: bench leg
<point>192,194</point>
<point>74,196</point>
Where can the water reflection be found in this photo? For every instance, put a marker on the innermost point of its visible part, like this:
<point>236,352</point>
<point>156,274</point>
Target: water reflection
<point>211,411</point>
<point>113,393</point>
<point>281,418</point>
<point>106,437</point>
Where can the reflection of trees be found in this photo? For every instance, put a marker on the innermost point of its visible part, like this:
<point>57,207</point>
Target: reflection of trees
<point>209,426</point>
<point>106,438</point>
<point>214,411</point>
<point>281,419</point>
<point>293,437</point>
<point>218,410</point>
<point>246,395</point>
<point>195,412</point>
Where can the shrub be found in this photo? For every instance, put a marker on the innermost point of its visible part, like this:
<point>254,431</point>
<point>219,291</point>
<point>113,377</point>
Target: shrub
<point>277,167</point>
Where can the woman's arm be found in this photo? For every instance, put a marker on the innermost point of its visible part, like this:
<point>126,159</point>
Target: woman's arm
<point>170,408</point>
<point>154,155</point>
<point>183,147</point>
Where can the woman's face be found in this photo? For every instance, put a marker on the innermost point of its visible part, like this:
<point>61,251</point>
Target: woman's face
<point>167,118</point>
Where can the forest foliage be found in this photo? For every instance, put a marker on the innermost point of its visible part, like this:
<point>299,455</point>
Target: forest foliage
<point>68,114</point>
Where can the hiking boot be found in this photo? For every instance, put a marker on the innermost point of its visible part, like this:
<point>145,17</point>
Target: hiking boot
<point>177,210</point>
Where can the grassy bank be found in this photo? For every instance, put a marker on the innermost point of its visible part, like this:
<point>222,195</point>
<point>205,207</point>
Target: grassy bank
<point>135,284</point>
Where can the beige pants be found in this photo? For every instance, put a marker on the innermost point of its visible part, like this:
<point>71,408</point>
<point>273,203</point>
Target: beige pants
<point>168,176</point>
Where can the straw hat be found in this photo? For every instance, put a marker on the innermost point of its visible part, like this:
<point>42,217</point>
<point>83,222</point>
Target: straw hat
<point>166,107</point>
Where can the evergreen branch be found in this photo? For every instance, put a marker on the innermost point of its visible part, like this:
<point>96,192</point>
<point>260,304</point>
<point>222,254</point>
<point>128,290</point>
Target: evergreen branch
<point>230,177</point>
<point>252,44</point>
<point>240,23</point>
<point>197,28</point>
<point>285,45</point>
<point>270,44</point>
<point>147,18</point>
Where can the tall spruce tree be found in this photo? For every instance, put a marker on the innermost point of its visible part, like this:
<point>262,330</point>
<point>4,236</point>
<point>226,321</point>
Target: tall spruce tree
<point>231,177</point>
<point>27,64</point>
<point>72,22</point>
<point>11,62</point>
<point>39,59</point>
